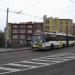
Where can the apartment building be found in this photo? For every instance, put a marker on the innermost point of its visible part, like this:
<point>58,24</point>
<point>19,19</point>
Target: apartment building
<point>19,34</point>
<point>57,25</point>
<point>38,27</point>
<point>73,28</point>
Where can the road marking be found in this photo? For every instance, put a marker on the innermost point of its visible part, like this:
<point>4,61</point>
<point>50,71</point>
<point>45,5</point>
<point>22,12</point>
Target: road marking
<point>59,58</point>
<point>41,61</point>
<point>48,61</point>
<point>20,65</point>
<point>9,69</point>
<point>33,62</point>
<point>5,73</point>
<point>57,55</point>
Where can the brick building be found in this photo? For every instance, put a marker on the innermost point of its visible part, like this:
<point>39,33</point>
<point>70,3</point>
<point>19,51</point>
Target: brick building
<point>19,34</point>
<point>38,27</point>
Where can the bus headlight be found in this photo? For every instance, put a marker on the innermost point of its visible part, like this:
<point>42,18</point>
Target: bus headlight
<point>43,45</point>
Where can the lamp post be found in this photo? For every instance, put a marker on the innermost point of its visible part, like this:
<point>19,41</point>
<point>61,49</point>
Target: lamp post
<point>6,29</point>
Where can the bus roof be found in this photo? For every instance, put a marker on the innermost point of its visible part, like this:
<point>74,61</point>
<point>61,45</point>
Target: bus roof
<point>60,34</point>
<point>48,33</point>
<point>63,34</point>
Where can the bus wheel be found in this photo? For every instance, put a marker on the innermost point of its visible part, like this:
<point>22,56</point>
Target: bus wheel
<point>63,45</point>
<point>51,46</point>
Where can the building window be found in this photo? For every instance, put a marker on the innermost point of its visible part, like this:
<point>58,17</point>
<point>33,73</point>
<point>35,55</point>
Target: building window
<point>15,26</point>
<point>28,38</point>
<point>22,26</point>
<point>66,22</point>
<point>15,36</point>
<point>47,21</point>
<point>61,22</point>
<point>47,27</point>
<point>22,36</point>
<point>29,31</point>
<point>22,31</point>
<point>15,30</point>
<point>21,42</point>
<point>38,26</point>
<point>29,26</point>
<point>37,31</point>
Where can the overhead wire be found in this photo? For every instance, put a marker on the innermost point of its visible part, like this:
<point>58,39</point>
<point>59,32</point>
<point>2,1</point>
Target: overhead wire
<point>26,14</point>
<point>20,12</point>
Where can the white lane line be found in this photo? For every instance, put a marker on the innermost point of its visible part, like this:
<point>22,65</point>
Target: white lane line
<point>52,61</point>
<point>26,69</point>
<point>56,55</point>
<point>52,56</point>
<point>59,55</point>
<point>40,60</point>
<point>5,73</point>
<point>31,62</point>
<point>20,65</point>
<point>56,61</point>
<point>66,58</point>
<point>62,60</point>
<point>59,58</point>
<point>13,70</point>
<point>48,58</point>
<point>9,69</point>
<point>73,57</point>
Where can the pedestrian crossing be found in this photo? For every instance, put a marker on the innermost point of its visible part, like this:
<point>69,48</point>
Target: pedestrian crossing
<point>35,63</point>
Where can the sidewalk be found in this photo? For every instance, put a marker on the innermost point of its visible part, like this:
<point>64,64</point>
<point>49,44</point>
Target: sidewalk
<point>13,49</point>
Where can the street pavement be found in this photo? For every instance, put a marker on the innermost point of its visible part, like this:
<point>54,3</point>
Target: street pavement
<point>28,62</point>
<point>65,68</point>
<point>25,65</point>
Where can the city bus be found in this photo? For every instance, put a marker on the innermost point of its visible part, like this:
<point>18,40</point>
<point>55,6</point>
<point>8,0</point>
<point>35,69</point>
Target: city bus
<point>51,40</point>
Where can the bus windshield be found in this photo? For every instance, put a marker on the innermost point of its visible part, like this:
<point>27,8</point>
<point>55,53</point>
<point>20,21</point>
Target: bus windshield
<point>37,39</point>
<point>50,37</point>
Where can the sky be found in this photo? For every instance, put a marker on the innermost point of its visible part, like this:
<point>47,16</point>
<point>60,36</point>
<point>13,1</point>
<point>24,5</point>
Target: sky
<point>34,10</point>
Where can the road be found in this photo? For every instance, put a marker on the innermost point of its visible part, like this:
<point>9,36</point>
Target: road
<point>28,62</point>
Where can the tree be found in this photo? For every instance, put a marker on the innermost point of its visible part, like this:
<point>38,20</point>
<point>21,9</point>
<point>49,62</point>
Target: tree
<point>1,39</point>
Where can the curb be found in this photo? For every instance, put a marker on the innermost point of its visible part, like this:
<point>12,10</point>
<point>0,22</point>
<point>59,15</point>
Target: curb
<point>15,50</point>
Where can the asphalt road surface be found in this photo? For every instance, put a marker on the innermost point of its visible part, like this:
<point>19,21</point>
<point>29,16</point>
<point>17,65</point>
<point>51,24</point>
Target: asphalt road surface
<point>28,62</point>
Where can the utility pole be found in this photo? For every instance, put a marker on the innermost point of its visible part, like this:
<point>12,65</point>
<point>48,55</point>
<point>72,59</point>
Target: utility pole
<point>6,41</point>
<point>67,35</point>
